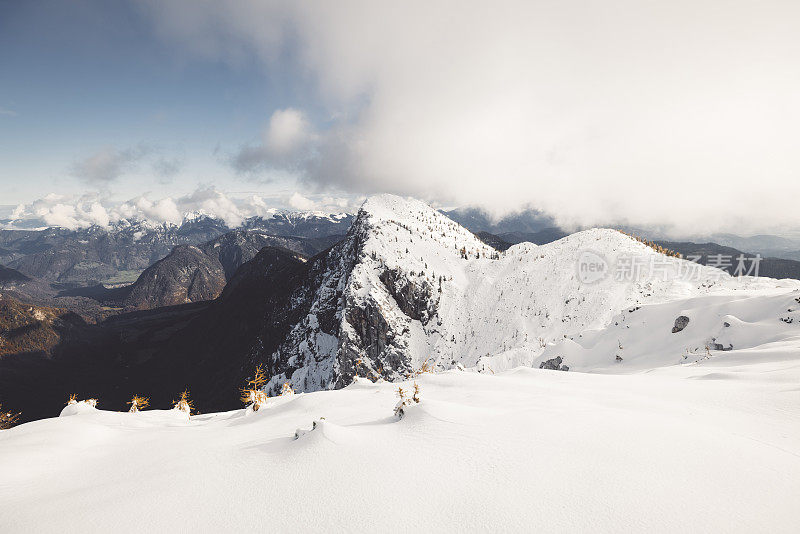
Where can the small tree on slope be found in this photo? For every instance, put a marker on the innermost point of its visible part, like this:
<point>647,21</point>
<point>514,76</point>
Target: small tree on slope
<point>399,408</point>
<point>184,404</point>
<point>138,403</point>
<point>252,394</point>
<point>7,419</point>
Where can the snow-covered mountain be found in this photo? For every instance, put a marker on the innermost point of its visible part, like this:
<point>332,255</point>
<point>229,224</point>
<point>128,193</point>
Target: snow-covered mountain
<point>681,395</point>
<point>408,287</point>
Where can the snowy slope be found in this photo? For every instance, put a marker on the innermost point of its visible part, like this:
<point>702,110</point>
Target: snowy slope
<point>711,447</point>
<point>409,286</point>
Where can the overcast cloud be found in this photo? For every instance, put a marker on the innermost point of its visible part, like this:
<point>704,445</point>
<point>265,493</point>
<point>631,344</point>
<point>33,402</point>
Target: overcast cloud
<point>677,113</point>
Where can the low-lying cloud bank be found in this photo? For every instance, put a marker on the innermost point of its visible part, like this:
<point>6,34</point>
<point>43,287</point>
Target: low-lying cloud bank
<point>653,113</point>
<point>92,210</point>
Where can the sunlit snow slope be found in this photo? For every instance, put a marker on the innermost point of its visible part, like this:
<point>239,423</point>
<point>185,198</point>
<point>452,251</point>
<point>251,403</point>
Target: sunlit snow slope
<point>409,286</point>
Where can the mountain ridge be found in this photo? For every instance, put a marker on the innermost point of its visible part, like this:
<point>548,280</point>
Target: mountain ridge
<point>409,288</point>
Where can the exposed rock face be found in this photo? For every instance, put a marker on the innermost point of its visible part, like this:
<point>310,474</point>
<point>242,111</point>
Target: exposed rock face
<point>680,323</point>
<point>554,364</point>
<point>368,299</point>
<point>307,356</point>
<point>417,300</point>
<point>185,275</point>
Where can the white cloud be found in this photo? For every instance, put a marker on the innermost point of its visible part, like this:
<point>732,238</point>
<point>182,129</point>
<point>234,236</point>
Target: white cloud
<point>287,132</point>
<point>288,138</point>
<point>299,202</point>
<point>210,201</point>
<point>97,214</point>
<point>94,210</point>
<point>67,212</point>
<point>678,113</point>
<point>161,210</point>
<point>8,112</point>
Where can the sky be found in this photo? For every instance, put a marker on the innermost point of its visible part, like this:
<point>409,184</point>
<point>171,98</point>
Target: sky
<point>682,114</point>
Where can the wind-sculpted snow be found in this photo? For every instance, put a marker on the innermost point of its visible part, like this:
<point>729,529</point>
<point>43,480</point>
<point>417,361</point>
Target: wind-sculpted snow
<point>409,287</point>
<point>707,447</point>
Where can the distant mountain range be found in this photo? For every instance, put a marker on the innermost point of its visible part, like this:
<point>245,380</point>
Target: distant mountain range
<point>188,273</point>
<point>118,254</point>
<point>536,227</point>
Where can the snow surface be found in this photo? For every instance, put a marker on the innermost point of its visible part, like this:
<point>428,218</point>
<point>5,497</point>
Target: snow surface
<point>711,446</point>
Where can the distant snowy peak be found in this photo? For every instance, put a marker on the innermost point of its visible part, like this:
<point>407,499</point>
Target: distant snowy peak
<point>301,224</point>
<point>306,215</point>
<point>284,223</point>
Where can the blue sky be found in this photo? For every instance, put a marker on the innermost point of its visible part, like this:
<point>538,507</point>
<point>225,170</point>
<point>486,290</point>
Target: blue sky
<point>681,115</point>
<point>79,77</point>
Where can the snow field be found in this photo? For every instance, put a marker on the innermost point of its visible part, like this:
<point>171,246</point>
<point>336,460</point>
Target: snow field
<point>523,450</point>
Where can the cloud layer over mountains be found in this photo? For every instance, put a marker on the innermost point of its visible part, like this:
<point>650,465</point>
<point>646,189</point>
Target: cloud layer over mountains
<point>677,113</point>
<point>92,210</point>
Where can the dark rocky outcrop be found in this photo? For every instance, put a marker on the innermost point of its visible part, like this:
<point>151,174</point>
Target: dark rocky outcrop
<point>719,346</point>
<point>680,323</point>
<point>554,364</point>
<point>417,300</point>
